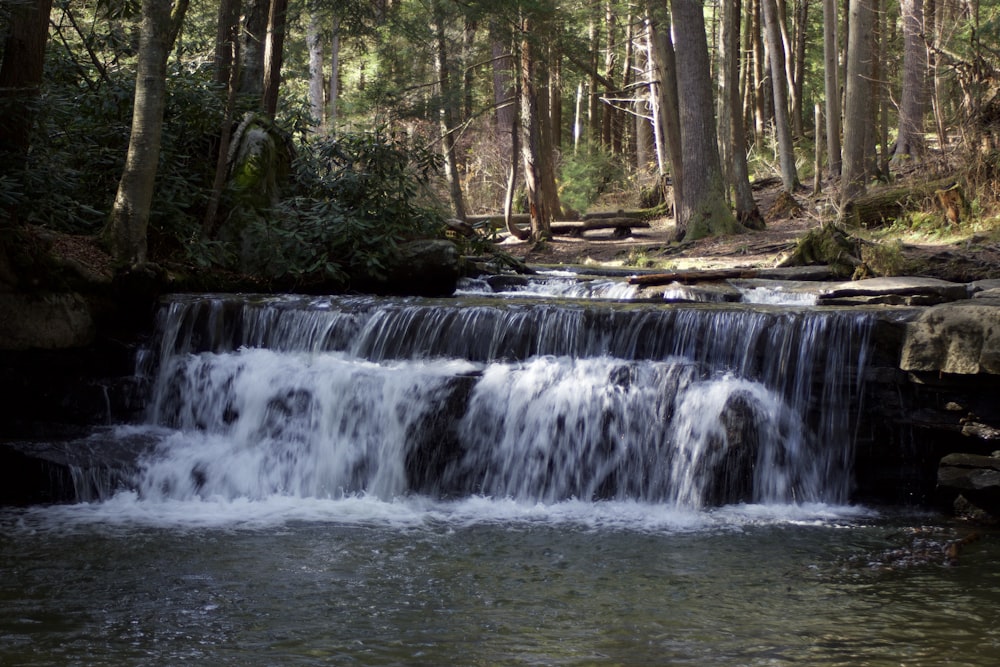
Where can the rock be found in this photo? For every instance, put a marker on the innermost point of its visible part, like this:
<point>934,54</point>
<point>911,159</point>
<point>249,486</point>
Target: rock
<point>961,338</point>
<point>974,477</point>
<point>894,291</point>
<point>47,321</point>
<point>423,268</point>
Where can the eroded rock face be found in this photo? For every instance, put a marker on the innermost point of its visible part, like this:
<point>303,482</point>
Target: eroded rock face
<point>961,338</point>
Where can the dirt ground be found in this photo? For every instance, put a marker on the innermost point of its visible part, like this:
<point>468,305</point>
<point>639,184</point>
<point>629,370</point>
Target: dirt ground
<point>971,252</point>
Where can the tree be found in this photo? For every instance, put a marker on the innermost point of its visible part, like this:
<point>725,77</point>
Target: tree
<point>857,106</point>
<point>126,228</point>
<point>910,139</point>
<point>21,77</point>
<point>274,50</point>
<point>831,85</point>
<point>783,128</point>
<point>448,111</point>
<point>703,211</point>
<point>732,143</point>
<point>531,149</point>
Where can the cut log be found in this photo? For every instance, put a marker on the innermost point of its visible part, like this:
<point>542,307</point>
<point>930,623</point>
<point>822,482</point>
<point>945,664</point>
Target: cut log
<point>691,277</point>
<point>885,204</point>
<point>577,228</point>
<point>600,215</point>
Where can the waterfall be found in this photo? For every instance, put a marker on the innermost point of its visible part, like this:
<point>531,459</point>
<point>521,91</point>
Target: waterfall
<point>335,396</point>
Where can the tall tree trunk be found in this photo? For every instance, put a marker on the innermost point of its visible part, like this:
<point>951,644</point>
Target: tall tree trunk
<point>732,144</point>
<point>252,48</point>
<point>831,85</point>
<point>703,206</point>
<point>610,117</point>
<point>783,128</point>
<point>857,118</point>
<point>317,82</point>
<point>333,88</point>
<point>594,106</point>
<point>209,220</point>
<point>668,118</point>
<point>799,67</point>
<point>226,39</point>
<point>761,82</point>
<point>126,228</point>
<point>933,21</point>
<point>274,49</point>
<point>541,217</point>
<point>504,97</point>
<point>515,146</point>
<point>910,138</point>
<point>447,114</point>
<point>21,79</point>
<point>555,97</point>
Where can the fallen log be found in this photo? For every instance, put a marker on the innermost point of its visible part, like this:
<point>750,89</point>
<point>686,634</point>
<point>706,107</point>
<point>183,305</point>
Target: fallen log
<point>692,276</point>
<point>623,226</point>
<point>881,205</point>
<point>601,215</point>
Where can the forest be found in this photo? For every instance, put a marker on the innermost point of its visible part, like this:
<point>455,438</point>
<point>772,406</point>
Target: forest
<point>301,142</point>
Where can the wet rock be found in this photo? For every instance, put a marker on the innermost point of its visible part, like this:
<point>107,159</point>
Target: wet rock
<point>975,477</point>
<point>961,338</point>
<point>428,267</point>
<point>894,291</point>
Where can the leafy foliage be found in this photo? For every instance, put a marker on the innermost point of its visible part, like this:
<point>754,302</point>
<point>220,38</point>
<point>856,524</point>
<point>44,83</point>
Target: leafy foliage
<point>586,175</point>
<point>354,199</point>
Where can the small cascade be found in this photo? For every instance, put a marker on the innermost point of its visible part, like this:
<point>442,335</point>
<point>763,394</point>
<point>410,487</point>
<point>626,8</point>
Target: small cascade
<point>326,397</point>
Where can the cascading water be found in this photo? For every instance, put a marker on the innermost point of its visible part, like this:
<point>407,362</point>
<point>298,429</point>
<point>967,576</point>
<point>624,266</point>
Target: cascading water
<point>332,397</point>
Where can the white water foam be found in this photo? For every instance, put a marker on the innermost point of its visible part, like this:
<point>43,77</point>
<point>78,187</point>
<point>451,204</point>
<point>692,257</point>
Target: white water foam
<point>126,511</point>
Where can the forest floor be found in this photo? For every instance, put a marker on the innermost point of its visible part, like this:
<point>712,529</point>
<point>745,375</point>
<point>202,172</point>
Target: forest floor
<point>923,245</point>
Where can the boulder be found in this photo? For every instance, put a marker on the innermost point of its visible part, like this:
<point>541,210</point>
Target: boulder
<point>973,477</point>
<point>961,338</point>
<point>428,267</point>
<point>45,321</point>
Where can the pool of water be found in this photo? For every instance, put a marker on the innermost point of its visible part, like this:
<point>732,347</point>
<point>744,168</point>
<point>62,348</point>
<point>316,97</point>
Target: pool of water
<point>490,582</point>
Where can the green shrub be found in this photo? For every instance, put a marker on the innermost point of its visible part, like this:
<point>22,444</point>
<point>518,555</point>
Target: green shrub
<point>585,175</point>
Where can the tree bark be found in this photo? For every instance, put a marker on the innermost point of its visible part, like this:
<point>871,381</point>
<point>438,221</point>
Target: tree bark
<point>447,113</point>
<point>126,229</point>
<point>703,206</point>
<point>910,139</point>
<point>21,79</point>
<point>252,48</point>
<point>317,81</point>
<point>333,88</point>
<point>274,50</point>
<point>541,216</point>
<point>786,147</point>
<point>831,85</point>
<point>669,122</point>
<point>857,120</point>
<point>732,144</point>
<point>226,36</point>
